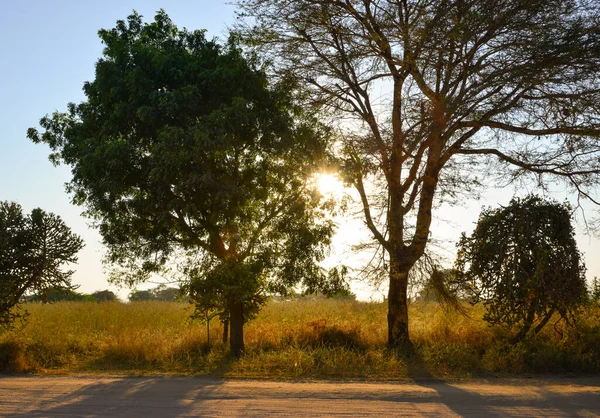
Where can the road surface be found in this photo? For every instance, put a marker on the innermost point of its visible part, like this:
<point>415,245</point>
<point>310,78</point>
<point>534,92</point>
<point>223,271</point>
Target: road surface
<point>183,397</point>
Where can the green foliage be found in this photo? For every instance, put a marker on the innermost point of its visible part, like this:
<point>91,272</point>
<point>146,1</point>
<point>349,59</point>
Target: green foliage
<point>335,285</point>
<point>104,296</point>
<point>184,151</point>
<point>141,296</point>
<point>522,261</point>
<point>33,250</point>
<point>595,290</point>
<point>213,289</point>
<point>160,293</point>
<point>59,295</point>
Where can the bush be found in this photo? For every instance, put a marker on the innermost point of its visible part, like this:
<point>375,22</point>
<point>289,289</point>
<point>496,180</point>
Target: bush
<point>522,262</point>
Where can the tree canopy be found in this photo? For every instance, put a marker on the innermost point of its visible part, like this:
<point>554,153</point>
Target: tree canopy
<point>184,150</point>
<point>438,89</point>
<point>522,262</point>
<point>34,248</point>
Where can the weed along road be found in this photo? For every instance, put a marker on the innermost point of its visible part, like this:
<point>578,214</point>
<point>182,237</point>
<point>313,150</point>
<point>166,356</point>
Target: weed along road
<point>179,397</point>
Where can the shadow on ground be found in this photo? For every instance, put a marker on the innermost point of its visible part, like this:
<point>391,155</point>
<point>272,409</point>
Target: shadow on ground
<point>143,397</point>
<point>500,398</point>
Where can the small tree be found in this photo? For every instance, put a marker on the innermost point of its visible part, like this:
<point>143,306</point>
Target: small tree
<point>522,262</point>
<point>33,250</point>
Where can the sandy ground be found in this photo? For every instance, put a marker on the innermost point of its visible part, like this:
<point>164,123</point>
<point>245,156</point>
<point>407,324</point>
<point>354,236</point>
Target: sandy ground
<point>182,397</point>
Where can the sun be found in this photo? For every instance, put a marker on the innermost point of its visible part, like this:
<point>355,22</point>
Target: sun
<point>328,184</point>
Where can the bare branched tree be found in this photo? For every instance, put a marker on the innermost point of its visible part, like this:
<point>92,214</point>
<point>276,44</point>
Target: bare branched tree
<point>438,87</point>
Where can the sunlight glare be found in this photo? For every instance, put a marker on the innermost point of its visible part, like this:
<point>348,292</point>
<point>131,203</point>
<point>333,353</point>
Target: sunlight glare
<point>329,184</point>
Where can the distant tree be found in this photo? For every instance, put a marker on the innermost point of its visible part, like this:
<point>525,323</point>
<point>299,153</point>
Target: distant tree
<point>161,293</point>
<point>141,296</point>
<point>33,250</point>
<point>336,285</point>
<point>168,294</point>
<point>59,295</point>
<point>522,262</point>
<point>104,296</point>
<point>431,92</point>
<point>183,148</point>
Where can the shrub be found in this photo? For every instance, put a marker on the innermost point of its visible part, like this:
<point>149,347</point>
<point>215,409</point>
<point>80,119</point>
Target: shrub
<point>522,262</point>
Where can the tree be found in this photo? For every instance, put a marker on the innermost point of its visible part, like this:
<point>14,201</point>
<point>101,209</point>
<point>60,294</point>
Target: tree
<point>167,294</point>
<point>184,151</point>
<point>141,296</point>
<point>436,88</point>
<point>59,294</point>
<point>161,293</point>
<point>33,250</point>
<point>522,262</point>
<point>104,296</point>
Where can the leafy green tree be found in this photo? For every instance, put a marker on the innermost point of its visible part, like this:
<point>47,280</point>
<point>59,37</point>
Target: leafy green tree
<point>522,262</point>
<point>168,294</point>
<point>438,89</point>
<point>183,150</point>
<point>104,296</point>
<point>33,250</point>
<point>141,296</point>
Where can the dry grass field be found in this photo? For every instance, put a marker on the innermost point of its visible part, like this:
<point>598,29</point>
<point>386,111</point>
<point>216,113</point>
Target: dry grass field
<point>292,339</point>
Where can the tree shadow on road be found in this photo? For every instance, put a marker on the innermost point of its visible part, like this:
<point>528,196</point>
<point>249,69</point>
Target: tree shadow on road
<point>500,397</point>
<point>129,396</point>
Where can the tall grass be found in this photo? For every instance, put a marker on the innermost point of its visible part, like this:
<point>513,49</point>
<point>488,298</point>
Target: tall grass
<point>301,338</point>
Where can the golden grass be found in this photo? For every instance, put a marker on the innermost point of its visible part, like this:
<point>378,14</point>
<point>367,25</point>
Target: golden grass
<point>296,339</point>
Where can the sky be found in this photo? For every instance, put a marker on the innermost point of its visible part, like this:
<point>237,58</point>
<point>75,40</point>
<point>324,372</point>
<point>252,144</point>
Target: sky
<point>48,50</point>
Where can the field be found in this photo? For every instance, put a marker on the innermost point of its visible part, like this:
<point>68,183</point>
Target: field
<point>305,338</point>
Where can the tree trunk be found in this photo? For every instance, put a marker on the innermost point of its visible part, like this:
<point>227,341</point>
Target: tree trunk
<point>236,337</point>
<point>207,329</point>
<point>398,337</point>
<point>527,323</point>
<point>544,321</point>
<point>225,330</point>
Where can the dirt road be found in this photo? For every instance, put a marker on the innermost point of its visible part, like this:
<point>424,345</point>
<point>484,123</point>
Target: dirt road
<point>181,397</point>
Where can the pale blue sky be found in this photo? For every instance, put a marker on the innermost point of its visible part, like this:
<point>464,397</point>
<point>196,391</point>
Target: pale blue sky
<point>48,49</point>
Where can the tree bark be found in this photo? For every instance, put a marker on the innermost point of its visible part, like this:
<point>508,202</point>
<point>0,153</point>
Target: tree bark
<point>398,336</point>
<point>543,322</point>
<point>527,323</point>
<point>236,327</point>
<point>225,331</point>
<point>207,329</point>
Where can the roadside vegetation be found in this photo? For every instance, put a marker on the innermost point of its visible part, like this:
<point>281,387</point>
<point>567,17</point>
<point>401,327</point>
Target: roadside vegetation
<point>301,338</point>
